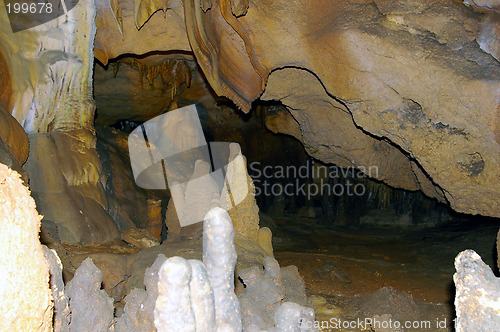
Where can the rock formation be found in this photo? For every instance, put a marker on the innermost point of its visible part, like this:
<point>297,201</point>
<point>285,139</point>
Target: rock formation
<point>91,308</point>
<point>61,318</point>
<point>26,303</point>
<point>477,297</point>
<point>138,315</point>
<point>270,297</point>
<point>378,74</point>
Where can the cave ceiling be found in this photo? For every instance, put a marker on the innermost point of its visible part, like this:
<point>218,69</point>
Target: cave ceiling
<point>410,87</point>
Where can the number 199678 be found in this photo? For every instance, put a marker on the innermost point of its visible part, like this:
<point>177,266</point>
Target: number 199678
<point>29,8</point>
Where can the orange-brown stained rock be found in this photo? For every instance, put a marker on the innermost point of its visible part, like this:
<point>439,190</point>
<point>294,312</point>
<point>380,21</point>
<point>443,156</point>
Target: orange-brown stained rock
<point>223,52</point>
<point>11,133</point>
<point>155,218</point>
<point>5,83</point>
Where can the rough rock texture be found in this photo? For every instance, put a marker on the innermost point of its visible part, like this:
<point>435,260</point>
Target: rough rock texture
<point>265,292</point>
<point>155,218</point>
<point>264,240</point>
<point>24,272</point>
<point>140,238</point>
<point>477,297</point>
<point>243,211</point>
<point>293,317</point>
<point>61,307</point>
<point>404,86</point>
<point>138,313</point>
<point>91,308</point>
<point>121,28</point>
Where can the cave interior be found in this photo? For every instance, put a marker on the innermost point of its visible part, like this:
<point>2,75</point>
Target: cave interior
<point>355,144</point>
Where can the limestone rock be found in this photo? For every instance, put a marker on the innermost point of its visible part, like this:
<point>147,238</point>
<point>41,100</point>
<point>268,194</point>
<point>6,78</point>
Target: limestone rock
<point>262,296</point>
<point>155,218</point>
<point>67,186</point>
<point>24,278</point>
<point>119,34</point>
<point>61,308</point>
<point>140,238</point>
<point>239,197</point>
<point>266,291</point>
<point>138,313</point>
<point>264,240</point>
<point>172,220</point>
<point>91,308</point>
<point>489,39</point>
<point>52,85</point>
<point>291,317</point>
<point>202,297</point>
<point>389,96</point>
<point>13,136</point>
<point>477,297</point>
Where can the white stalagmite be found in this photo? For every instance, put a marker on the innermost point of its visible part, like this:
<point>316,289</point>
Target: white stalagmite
<point>202,298</point>
<point>173,311</point>
<point>287,317</point>
<point>219,256</point>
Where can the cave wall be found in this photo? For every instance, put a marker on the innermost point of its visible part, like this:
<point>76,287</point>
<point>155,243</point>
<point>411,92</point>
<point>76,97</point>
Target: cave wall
<point>409,75</point>
<point>409,88</point>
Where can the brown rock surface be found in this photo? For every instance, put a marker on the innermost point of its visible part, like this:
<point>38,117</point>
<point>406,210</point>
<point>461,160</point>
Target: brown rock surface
<point>65,173</point>
<point>408,78</point>
<point>25,295</point>
<point>140,238</point>
<point>121,28</point>
<point>13,136</point>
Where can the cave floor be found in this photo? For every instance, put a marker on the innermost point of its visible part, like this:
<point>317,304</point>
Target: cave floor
<point>341,264</point>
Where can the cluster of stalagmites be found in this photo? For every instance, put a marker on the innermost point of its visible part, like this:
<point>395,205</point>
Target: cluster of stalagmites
<point>189,295</point>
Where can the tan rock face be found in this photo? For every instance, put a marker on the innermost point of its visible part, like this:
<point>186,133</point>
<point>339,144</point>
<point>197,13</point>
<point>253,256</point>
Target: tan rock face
<point>140,89</point>
<point>52,85</point>
<point>5,83</point>
<point>13,136</point>
<point>11,133</point>
<point>401,86</point>
<point>121,28</point>
<point>65,173</point>
<point>26,303</point>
